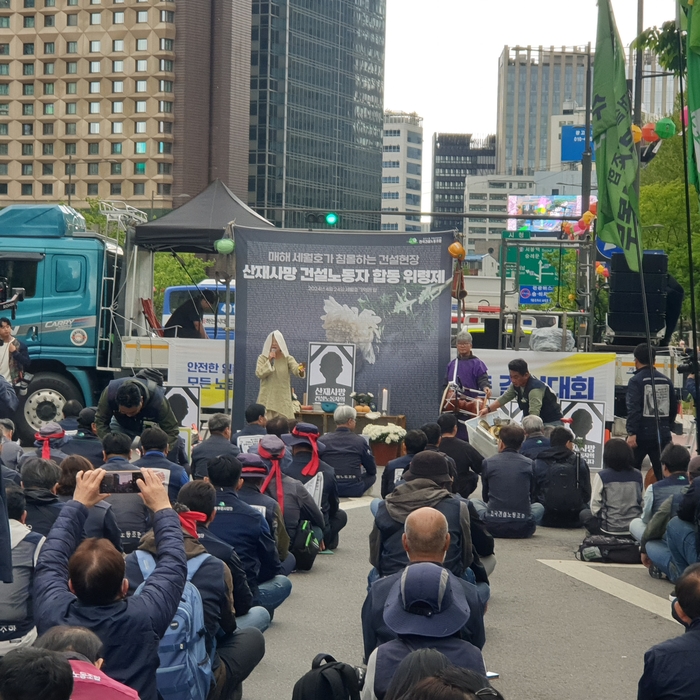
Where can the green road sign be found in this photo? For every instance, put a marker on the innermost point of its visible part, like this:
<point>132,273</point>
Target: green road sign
<point>535,269</point>
<point>516,235</point>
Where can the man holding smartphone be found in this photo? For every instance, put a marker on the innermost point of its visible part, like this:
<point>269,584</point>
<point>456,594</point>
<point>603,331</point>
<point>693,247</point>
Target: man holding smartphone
<point>81,583</point>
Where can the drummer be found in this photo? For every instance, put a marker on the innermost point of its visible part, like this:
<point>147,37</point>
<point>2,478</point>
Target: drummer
<point>470,373</point>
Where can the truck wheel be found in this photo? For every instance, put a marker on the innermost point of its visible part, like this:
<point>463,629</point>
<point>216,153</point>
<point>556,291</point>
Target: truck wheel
<point>46,395</point>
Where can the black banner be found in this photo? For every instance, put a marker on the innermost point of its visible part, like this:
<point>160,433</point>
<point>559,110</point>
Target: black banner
<point>387,293</point>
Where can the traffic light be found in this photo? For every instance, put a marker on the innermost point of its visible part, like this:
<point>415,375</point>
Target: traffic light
<point>329,218</point>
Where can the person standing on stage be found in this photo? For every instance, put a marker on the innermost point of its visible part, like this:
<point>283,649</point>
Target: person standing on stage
<point>273,369</point>
<point>469,373</point>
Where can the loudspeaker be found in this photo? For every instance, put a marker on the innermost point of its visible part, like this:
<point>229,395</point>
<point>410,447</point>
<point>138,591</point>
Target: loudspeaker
<point>632,303</point>
<point>633,324</point>
<point>629,282</point>
<point>652,263</point>
<point>489,338</point>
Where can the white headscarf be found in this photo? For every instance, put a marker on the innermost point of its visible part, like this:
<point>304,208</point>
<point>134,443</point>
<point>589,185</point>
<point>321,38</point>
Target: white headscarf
<point>280,341</point>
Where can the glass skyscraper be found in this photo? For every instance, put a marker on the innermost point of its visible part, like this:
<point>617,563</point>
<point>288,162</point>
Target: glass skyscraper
<point>316,110</point>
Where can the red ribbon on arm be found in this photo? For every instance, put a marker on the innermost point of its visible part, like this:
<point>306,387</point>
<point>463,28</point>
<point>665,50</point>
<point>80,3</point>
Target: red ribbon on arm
<point>275,473</point>
<point>46,440</point>
<point>312,467</point>
<point>189,521</point>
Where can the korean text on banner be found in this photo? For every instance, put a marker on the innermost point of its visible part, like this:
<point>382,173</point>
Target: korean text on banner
<point>572,376</point>
<point>199,363</point>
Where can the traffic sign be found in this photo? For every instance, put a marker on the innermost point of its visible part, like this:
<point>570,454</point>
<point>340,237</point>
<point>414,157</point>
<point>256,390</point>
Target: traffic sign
<point>534,269</point>
<point>535,294</point>
<point>607,249</point>
<point>520,235</point>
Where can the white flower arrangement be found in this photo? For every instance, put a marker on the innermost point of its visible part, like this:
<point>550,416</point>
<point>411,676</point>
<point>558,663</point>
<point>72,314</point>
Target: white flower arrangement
<point>344,324</point>
<point>389,433</point>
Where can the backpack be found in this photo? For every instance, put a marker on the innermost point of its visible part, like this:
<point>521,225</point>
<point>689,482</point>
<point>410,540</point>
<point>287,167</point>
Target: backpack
<point>332,680</point>
<point>185,671</point>
<point>563,493</point>
<point>609,549</point>
<point>305,546</point>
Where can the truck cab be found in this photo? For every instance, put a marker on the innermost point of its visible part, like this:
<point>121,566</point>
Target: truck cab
<point>68,274</point>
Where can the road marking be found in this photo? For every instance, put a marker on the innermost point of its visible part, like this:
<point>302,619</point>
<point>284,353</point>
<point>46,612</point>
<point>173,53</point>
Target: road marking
<point>352,503</point>
<point>586,573</point>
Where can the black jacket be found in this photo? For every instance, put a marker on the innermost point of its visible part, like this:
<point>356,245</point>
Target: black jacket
<point>213,446</point>
<point>178,475</point>
<point>640,407</point>
<point>130,629</point>
<point>349,455</point>
<point>393,473</point>
<point>330,502</point>
<point>560,455</point>
<point>298,505</point>
<point>376,632</point>
<point>467,461</point>
<point>43,509</point>
<point>242,596</point>
<point>101,522</point>
<point>250,429</point>
<point>85,444</point>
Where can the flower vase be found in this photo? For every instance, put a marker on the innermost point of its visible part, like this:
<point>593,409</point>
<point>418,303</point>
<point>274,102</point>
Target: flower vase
<point>384,453</point>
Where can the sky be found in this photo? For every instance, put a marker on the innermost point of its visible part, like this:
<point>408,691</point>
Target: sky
<point>442,55</point>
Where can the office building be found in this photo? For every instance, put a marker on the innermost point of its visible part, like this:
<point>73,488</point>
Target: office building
<point>316,110</point>
<point>538,83</point>
<point>117,100</point>
<point>455,156</point>
<point>402,170</point>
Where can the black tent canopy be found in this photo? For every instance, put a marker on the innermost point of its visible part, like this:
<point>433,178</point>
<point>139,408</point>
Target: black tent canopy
<point>193,227</point>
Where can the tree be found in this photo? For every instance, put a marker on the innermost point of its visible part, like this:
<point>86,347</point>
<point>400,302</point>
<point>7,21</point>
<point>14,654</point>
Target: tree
<point>168,272</point>
<point>665,43</point>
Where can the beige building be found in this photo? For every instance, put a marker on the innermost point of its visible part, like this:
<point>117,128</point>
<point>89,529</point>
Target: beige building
<point>117,99</point>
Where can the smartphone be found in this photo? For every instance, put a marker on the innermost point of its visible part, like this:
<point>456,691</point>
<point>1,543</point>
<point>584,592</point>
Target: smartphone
<point>121,482</point>
<point>492,674</point>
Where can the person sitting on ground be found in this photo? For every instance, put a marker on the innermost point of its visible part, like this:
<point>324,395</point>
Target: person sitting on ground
<point>187,320</point>
<point>535,439</point>
<point>425,538</point>
<point>69,422</point>
<point>434,434</point>
<point>563,481</point>
<point>349,455</point>
<point>82,584</point>
<point>129,509</point>
<point>670,668</point>
<point>454,683</point>
<point>27,673</point>
<point>254,473</point>
<point>616,496</point>
<point>307,466</point>
<point>234,653</point>
<point>674,469</point>
<point>16,605</point>
<point>10,451</point>
<point>508,504</point>
<point>218,443</point>
<point>82,648</point>
<point>467,459</point>
<point>154,447</point>
<point>277,427</point>
<point>40,479</point>
<point>255,423</point>
<point>127,403</point>
<point>419,664</point>
<point>200,498</point>
<point>85,442</point>
<point>414,442</point>
<point>427,483</point>
<point>246,530</point>
<point>297,503</point>
<point>656,553</point>
<point>49,443</point>
<point>101,521</point>
<point>426,610</point>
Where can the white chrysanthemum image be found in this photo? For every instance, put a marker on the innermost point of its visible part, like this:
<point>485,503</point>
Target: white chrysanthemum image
<point>345,324</point>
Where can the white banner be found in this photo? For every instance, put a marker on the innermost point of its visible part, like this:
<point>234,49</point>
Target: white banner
<point>575,376</point>
<point>200,363</point>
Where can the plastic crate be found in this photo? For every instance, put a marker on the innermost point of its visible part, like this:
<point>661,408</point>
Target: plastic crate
<point>486,444</point>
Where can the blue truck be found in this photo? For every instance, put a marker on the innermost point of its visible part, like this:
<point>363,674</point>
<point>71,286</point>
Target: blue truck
<point>67,318</point>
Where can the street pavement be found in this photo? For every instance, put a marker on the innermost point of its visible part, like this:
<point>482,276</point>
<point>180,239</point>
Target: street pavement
<point>550,635</point>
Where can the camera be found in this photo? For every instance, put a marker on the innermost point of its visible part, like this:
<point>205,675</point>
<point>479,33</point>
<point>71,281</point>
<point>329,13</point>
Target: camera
<point>686,367</point>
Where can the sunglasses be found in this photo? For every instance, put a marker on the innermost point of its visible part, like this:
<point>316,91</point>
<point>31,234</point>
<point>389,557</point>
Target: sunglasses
<point>486,692</point>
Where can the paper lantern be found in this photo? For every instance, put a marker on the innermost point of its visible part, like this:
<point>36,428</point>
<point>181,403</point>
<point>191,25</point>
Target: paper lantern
<point>588,217</point>
<point>593,208</point>
<point>665,128</point>
<point>599,269</point>
<point>582,225</point>
<point>606,272</point>
<point>636,133</point>
<point>456,250</point>
<point>224,246</point>
<point>649,134</point>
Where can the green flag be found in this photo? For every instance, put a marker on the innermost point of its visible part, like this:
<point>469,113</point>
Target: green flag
<point>616,156</point>
<point>693,89</point>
